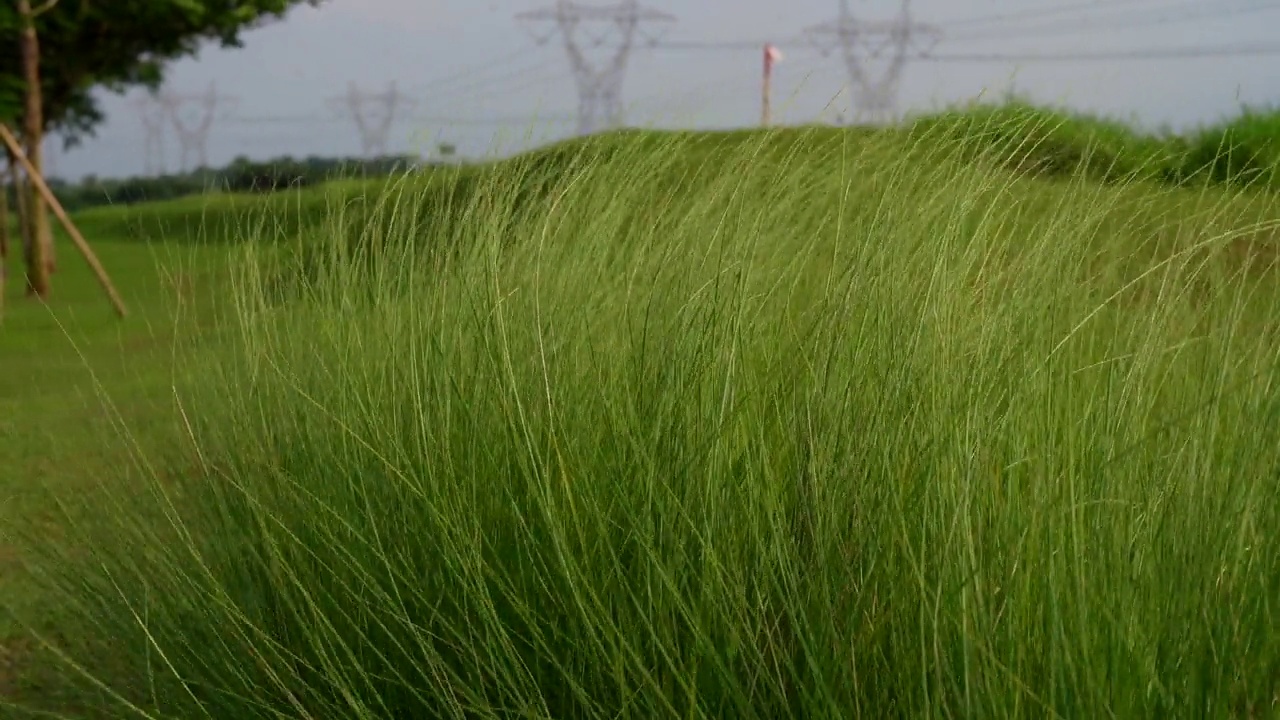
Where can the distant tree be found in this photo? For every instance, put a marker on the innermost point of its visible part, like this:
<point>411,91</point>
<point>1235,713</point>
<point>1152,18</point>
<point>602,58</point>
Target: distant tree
<point>56,52</point>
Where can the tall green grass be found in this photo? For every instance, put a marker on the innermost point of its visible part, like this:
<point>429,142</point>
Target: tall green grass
<point>1240,152</point>
<point>795,424</point>
<point>1244,150</point>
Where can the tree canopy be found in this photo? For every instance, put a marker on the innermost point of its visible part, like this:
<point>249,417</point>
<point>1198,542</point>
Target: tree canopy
<point>115,44</point>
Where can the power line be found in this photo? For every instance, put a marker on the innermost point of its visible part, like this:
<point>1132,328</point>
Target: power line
<point>1069,8</point>
<point>474,70</point>
<point>752,45</point>
<point>1094,23</point>
<point>522,77</point>
<point>803,41</point>
<point>1125,22</point>
<point>423,119</point>
<point>666,99</point>
<point>1189,51</point>
<point>1167,53</point>
<point>368,104</point>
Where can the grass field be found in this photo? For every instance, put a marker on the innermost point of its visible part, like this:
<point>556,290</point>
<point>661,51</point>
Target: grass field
<point>799,424</point>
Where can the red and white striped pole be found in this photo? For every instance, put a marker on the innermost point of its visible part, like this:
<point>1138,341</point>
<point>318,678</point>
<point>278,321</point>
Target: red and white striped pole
<point>771,56</point>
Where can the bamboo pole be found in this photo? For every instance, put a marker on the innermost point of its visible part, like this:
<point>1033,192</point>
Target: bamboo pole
<point>81,244</point>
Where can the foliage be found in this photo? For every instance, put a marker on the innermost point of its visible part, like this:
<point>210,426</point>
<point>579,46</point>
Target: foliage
<point>1243,150</point>
<point>11,87</point>
<point>86,44</point>
<point>240,176</point>
<point>1039,141</point>
<point>1049,143</point>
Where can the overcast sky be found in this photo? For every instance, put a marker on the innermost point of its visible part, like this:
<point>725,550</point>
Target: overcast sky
<point>480,80</point>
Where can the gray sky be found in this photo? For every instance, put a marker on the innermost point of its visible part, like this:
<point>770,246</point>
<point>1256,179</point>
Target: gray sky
<point>479,80</point>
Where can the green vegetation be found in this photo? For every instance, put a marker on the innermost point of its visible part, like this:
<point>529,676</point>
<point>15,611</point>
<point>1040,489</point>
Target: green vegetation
<point>59,53</point>
<point>87,45</point>
<point>1243,151</point>
<point>808,423</point>
<point>1246,149</point>
<point>240,176</point>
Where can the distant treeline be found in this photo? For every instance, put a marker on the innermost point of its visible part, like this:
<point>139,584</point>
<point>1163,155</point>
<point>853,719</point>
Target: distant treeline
<point>241,175</point>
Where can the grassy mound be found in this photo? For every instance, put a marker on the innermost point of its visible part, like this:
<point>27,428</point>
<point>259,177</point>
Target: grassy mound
<point>1241,152</point>
<point>1017,134</point>
<point>1244,150</point>
<point>766,425</point>
<point>1045,143</point>
<point>1014,136</point>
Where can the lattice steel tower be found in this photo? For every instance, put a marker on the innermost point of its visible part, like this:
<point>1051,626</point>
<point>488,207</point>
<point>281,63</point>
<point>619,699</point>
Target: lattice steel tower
<point>599,40</point>
<point>889,43</point>
<point>374,114</point>
<point>193,137</point>
<point>153,113</point>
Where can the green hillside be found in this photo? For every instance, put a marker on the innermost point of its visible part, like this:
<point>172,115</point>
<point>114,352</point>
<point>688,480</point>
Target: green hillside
<point>1240,151</point>
<point>974,418</point>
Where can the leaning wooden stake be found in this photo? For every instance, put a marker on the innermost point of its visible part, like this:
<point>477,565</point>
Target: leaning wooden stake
<point>12,142</point>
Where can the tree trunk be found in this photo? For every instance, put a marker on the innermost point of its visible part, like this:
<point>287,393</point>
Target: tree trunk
<point>33,131</point>
<point>4,244</point>
<point>50,252</point>
<point>4,222</point>
<point>21,206</point>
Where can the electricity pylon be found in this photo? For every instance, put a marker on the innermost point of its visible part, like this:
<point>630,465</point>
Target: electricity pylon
<point>374,127</point>
<point>891,43</point>
<point>193,137</point>
<point>612,30</point>
<point>152,113</point>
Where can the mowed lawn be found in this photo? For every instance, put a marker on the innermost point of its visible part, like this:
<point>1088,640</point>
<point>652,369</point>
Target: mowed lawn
<point>756,425</point>
<point>68,367</point>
